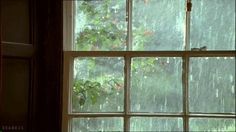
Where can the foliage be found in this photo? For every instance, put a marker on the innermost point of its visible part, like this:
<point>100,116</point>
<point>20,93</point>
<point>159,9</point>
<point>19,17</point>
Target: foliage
<point>105,29</point>
<point>92,92</point>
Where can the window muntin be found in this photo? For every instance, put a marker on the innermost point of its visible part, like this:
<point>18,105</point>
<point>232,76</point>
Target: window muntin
<point>127,115</point>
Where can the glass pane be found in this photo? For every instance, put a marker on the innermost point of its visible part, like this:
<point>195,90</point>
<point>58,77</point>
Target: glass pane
<point>156,84</point>
<point>97,124</point>
<point>100,25</point>
<point>158,24</point>
<point>212,84</point>
<point>156,124</point>
<point>212,125</point>
<point>213,24</point>
<point>98,85</point>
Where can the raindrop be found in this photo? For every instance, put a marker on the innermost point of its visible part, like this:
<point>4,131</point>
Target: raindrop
<point>165,103</point>
<point>206,58</point>
<point>117,93</point>
<point>100,106</point>
<point>217,58</point>
<point>217,93</point>
<point>225,58</point>
<point>179,120</point>
<point>232,89</point>
<point>191,77</point>
<point>118,108</point>
<point>145,77</point>
<point>156,58</point>
<point>168,60</point>
<point>106,100</point>
<point>151,125</point>
<point>231,78</point>
<point>166,124</point>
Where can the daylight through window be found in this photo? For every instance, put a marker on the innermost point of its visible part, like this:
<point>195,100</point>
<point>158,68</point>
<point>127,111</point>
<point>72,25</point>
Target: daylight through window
<point>149,65</point>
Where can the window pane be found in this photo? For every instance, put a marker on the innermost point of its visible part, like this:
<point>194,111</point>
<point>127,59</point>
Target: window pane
<point>156,84</point>
<point>97,124</point>
<point>213,24</point>
<point>156,124</point>
<point>211,124</point>
<point>212,84</point>
<point>158,24</point>
<point>100,25</point>
<point>98,85</point>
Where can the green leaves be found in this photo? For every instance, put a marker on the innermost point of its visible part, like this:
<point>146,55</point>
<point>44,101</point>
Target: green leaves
<point>104,28</point>
<point>86,89</point>
<point>91,91</point>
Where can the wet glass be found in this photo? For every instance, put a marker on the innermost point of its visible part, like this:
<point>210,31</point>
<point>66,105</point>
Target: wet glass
<point>212,85</point>
<point>158,25</point>
<point>100,124</point>
<point>100,25</point>
<point>98,84</point>
<point>156,84</point>
<point>213,24</point>
<point>212,125</point>
<point>156,124</point>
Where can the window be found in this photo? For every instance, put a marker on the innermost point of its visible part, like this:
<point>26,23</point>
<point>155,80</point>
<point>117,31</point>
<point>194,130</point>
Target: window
<point>149,65</point>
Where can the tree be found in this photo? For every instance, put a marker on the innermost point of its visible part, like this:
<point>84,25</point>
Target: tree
<point>99,82</point>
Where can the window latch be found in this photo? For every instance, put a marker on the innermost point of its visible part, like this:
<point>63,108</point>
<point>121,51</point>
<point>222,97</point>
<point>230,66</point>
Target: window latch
<point>189,6</point>
<point>203,48</point>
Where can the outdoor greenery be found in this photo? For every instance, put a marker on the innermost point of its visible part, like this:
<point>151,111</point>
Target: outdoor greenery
<point>101,85</point>
<point>105,25</point>
<point>156,82</point>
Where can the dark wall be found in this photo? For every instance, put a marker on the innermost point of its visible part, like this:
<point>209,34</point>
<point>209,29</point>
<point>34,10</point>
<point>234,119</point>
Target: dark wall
<point>31,43</point>
<point>17,50</point>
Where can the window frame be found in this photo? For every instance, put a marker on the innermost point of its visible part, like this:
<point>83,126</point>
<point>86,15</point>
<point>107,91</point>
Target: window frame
<point>186,54</point>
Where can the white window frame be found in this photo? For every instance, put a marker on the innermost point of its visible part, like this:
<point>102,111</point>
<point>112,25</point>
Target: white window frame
<point>69,56</point>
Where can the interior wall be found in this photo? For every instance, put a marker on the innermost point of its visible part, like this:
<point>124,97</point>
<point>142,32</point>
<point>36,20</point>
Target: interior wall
<point>17,51</point>
<point>30,96</point>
